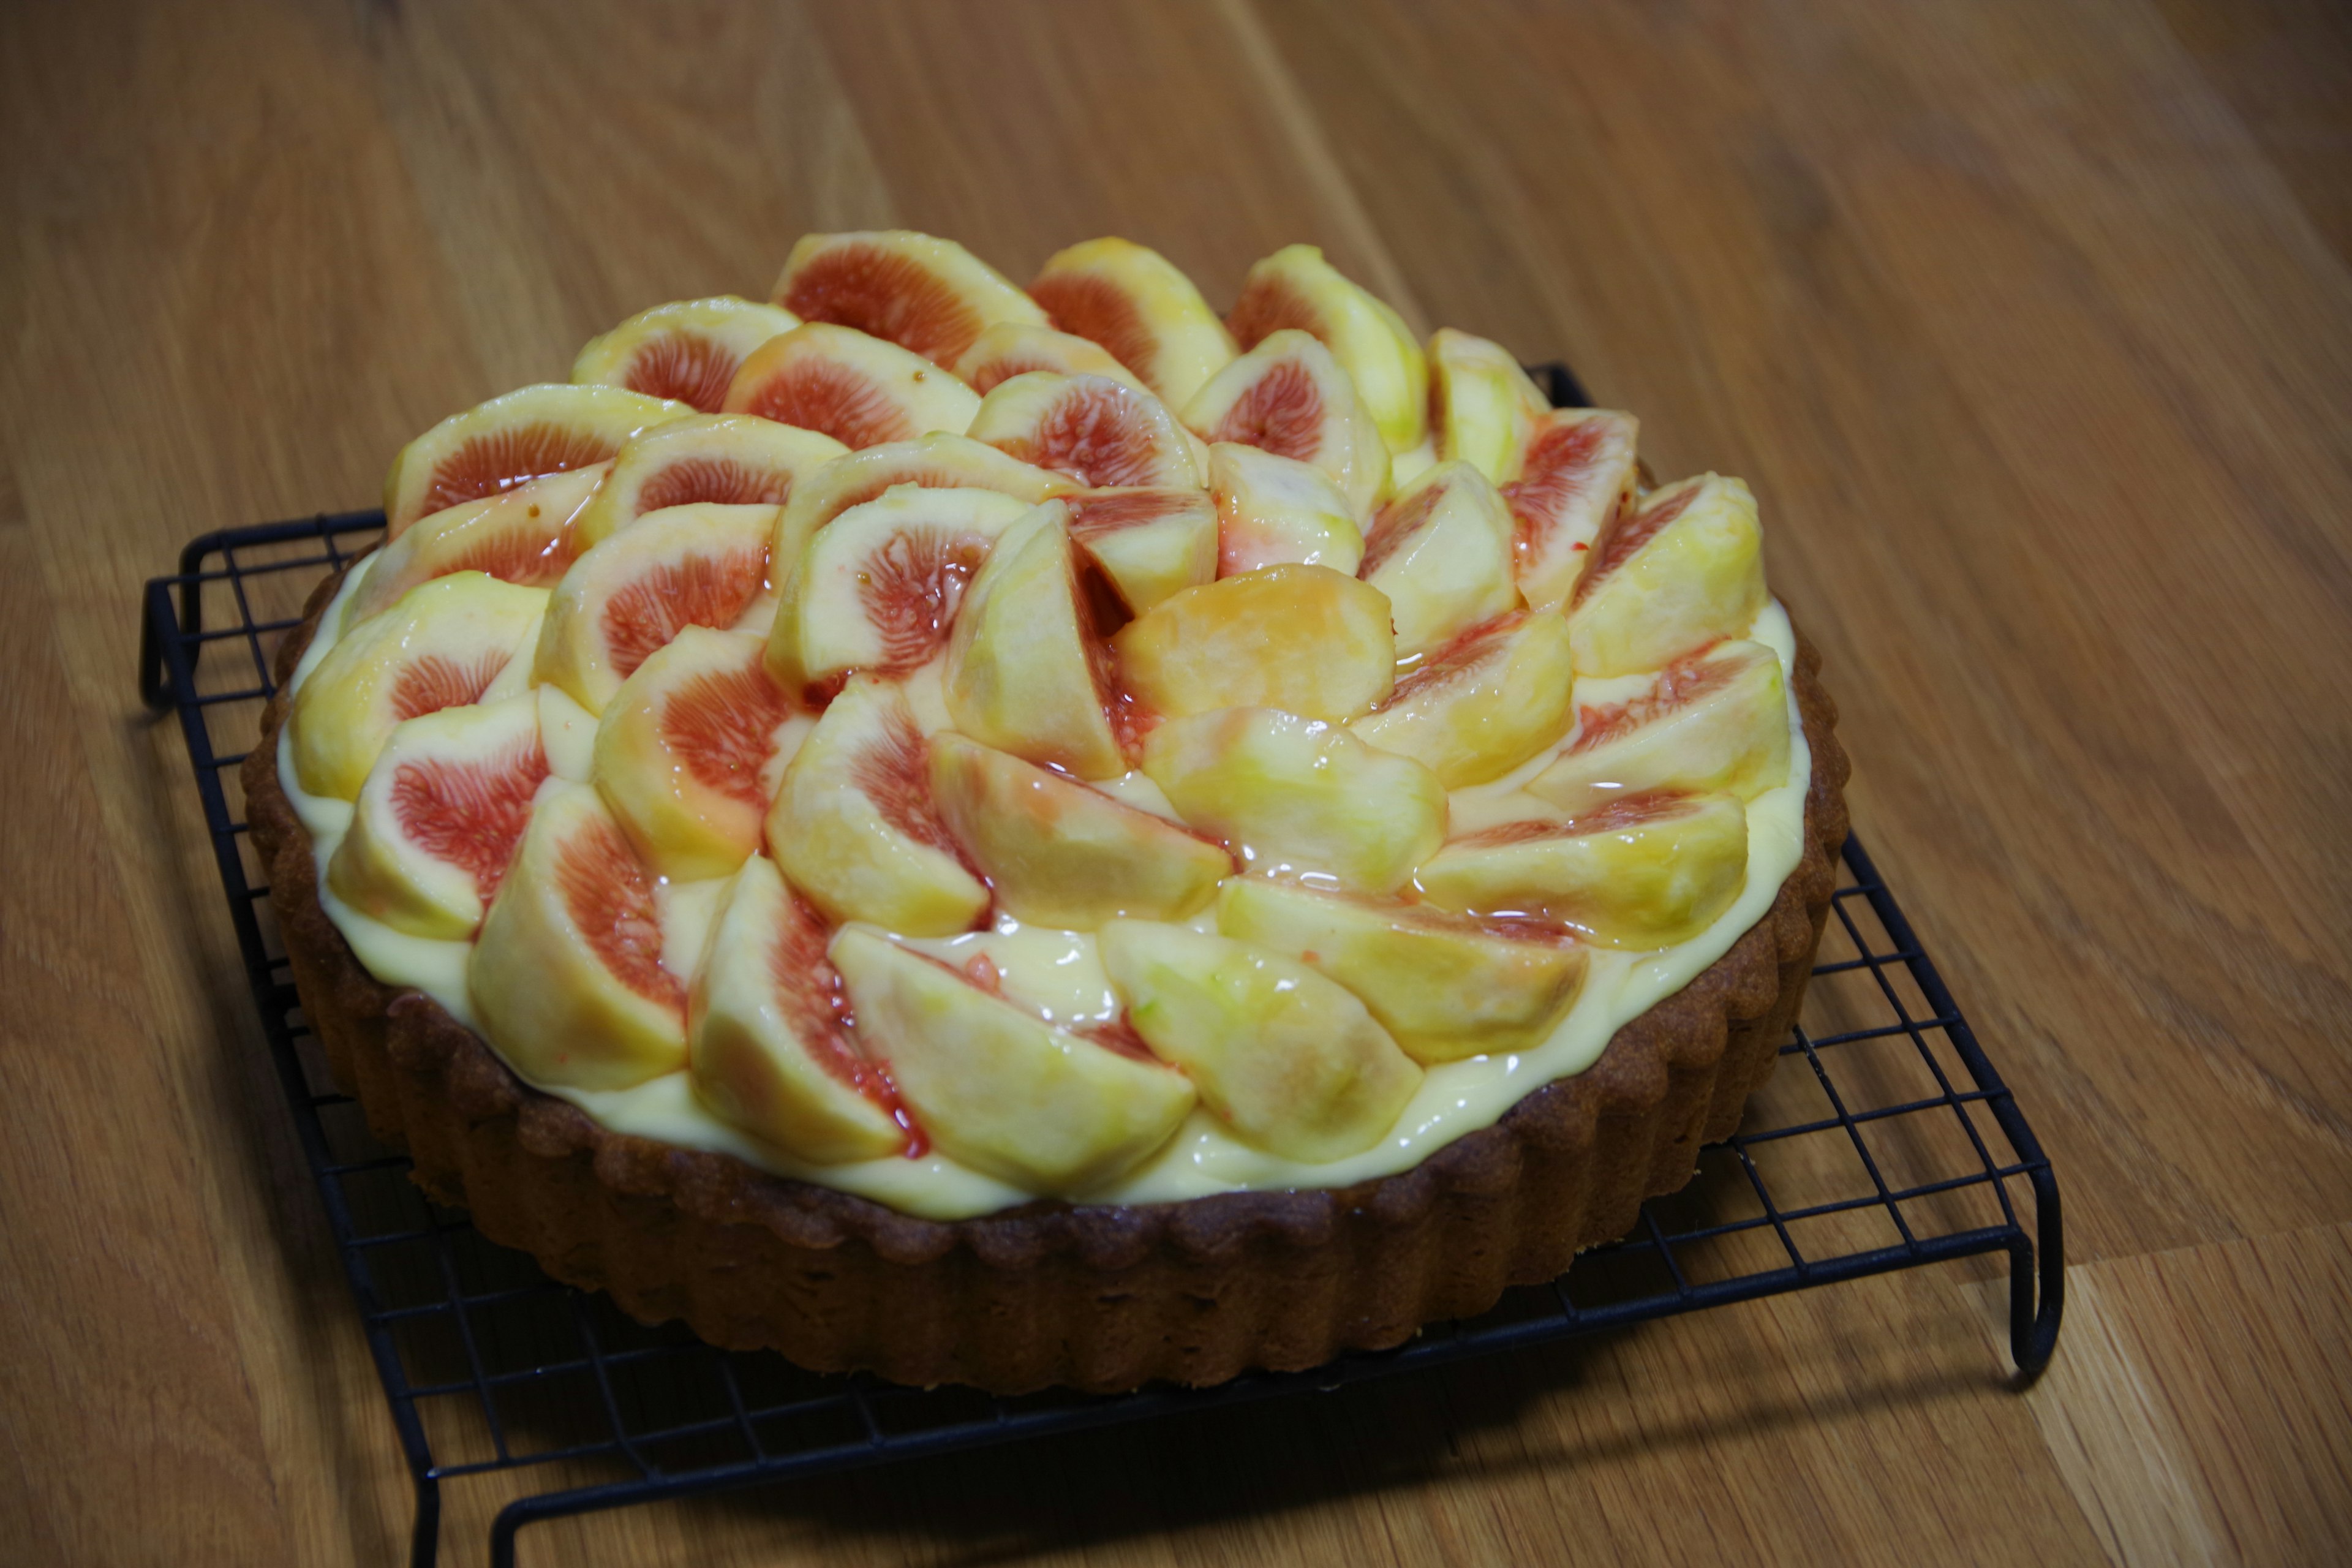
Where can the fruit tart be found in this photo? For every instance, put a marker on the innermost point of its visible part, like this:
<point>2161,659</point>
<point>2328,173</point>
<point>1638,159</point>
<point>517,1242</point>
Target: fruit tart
<point>1048,837</point>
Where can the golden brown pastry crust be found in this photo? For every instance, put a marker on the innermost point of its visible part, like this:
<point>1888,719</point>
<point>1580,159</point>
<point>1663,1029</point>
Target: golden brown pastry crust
<point>1099,1297</point>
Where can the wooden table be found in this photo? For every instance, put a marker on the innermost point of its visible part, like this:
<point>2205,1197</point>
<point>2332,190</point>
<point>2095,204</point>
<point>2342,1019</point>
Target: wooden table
<point>2031,323</point>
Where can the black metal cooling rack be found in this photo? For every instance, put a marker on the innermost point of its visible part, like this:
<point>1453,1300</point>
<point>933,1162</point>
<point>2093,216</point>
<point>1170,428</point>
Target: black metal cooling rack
<point>1886,1142</point>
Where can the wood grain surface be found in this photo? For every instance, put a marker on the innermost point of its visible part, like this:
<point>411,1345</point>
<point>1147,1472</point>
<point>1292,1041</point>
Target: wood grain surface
<point>2029,322</point>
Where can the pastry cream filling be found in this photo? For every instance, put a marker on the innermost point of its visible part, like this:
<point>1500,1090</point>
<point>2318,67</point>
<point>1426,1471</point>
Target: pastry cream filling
<point>1058,974</point>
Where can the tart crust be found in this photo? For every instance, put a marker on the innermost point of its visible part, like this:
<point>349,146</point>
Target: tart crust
<point>1097,1297</point>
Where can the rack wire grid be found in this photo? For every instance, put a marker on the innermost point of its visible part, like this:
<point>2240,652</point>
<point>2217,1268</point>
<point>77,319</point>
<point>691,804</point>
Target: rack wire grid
<point>1886,1141</point>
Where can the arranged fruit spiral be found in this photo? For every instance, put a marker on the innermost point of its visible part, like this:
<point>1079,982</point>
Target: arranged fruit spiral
<point>965,744</point>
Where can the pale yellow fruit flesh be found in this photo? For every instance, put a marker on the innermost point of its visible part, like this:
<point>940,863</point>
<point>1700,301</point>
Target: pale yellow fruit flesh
<point>1441,550</point>
<point>1292,373</point>
<point>1444,987</point>
<point>1716,723</point>
<point>1273,510</point>
<point>725,323</point>
<point>1685,583</point>
<point>577,426</point>
<point>1295,286</point>
<point>1483,405</point>
<point>730,449</point>
<point>1480,707</point>
<point>682,824</point>
<point>1286,1060</point>
<point>1305,639</point>
<point>1148,542</point>
<point>1151,317</point>
<point>521,533</point>
<point>997,1086</point>
<point>937,461</point>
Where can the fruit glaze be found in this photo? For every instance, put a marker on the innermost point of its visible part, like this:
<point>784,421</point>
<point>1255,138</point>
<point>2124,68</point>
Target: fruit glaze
<point>958,744</point>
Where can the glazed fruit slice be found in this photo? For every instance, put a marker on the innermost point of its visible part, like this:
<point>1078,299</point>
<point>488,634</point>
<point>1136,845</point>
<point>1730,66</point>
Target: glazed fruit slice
<point>879,587</point>
<point>1717,720</point>
<point>1271,510</point>
<point>1483,409</point>
<point>1061,855</point>
<point>1684,568</point>
<point>685,566</point>
<point>1643,872</point>
<point>1443,986</point>
<point>1288,794</point>
<point>854,825</point>
<point>1143,310</point>
<point>769,1049</point>
<point>928,295</point>
<point>1014,348</point>
<point>726,459</point>
<point>1578,474</point>
<point>687,752</point>
<point>937,462</point>
<point>512,440</point>
<point>1441,553</point>
<point>996,1086</point>
<point>1097,431</point>
<point>1289,396</point>
<point>442,645</point>
<point>1148,541</point>
<point>568,733</point>
<point>1286,1060</point>
<point>859,390</point>
<point>528,536</point>
<point>1296,289</point>
<point>439,818</point>
<point>1026,671</point>
<point>567,976</point>
<point>1484,703</point>
<point>689,351</point>
<point>1305,639</point>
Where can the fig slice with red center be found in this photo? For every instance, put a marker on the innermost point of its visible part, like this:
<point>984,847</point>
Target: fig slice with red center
<point>1014,348</point>
<point>1148,542</point>
<point>511,440</point>
<point>446,644</point>
<point>928,295</point>
<point>1141,308</point>
<point>1289,396</point>
<point>1644,872</point>
<point>859,390</point>
<point>528,536</point>
<point>935,462</point>
<point>1441,553</point>
<point>1716,721</point>
<point>689,351</point>
<point>770,1047</point>
<point>1578,473</point>
<point>1101,432</point>
<point>686,566</point>
<point>854,825</point>
<point>439,817</point>
<point>687,752</point>
<point>726,459</point>
<point>1483,409</point>
<point>878,588</point>
<point>1668,577</point>
<point>567,977</point>
<point>1482,704</point>
<point>1296,289</point>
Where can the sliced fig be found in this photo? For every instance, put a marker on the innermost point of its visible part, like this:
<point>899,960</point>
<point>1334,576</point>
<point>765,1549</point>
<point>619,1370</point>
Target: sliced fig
<point>859,390</point>
<point>685,749</point>
<point>567,977</point>
<point>1026,671</point>
<point>1481,408</point>
<point>1102,433</point>
<point>512,440</point>
<point>728,459</point>
<point>1578,473</point>
<point>928,295</point>
<point>1141,308</point>
<point>1478,707</point>
<point>684,566</point>
<point>439,817</point>
<point>1014,348</point>
<point>1275,509</point>
<point>528,536</point>
<point>936,462</point>
<point>1305,639</point>
<point>442,645</point>
<point>770,1047</point>
<point>1289,396</point>
<point>688,350</point>
<point>1296,289</point>
<point>1441,553</point>
<point>1147,542</point>
<point>854,825</point>
<point>878,588</point>
<point>1717,720</point>
<point>1671,576</point>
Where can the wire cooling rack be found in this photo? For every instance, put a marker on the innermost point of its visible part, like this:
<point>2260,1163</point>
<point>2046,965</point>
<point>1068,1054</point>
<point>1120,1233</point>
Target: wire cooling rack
<point>1886,1142</point>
